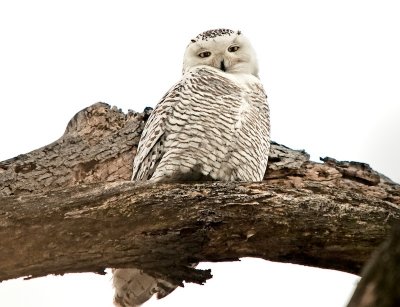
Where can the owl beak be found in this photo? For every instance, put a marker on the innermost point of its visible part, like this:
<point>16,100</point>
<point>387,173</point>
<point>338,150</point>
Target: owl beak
<point>222,66</point>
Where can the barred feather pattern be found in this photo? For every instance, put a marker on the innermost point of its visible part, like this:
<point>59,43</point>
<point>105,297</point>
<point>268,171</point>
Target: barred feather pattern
<point>210,125</point>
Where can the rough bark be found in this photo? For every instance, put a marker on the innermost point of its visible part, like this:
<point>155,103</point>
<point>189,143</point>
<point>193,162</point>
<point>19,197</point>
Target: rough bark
<point>98,145</point>
<point>68,207</point>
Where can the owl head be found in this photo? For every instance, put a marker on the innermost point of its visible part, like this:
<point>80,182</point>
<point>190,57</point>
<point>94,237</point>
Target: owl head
<point>223,49</point>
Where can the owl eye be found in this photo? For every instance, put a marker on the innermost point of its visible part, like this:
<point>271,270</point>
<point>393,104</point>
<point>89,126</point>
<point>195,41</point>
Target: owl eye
<point>204,54</point>
<point>233,48</point>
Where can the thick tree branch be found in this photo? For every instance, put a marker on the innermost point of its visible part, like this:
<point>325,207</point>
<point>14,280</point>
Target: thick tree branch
<point>67,207</point>
<point>90,227</point>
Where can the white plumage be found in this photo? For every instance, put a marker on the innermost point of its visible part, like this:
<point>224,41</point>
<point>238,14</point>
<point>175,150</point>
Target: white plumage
<point>212,125</point>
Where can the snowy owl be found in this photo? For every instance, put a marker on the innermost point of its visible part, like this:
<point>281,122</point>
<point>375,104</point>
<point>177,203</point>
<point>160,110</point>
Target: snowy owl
<point>211,125</point>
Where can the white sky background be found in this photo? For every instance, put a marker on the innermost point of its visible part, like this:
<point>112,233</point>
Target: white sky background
<point>331,70</point>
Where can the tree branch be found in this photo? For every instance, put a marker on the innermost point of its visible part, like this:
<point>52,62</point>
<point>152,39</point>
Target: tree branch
<point>68,207</point>
<point>380,282</point>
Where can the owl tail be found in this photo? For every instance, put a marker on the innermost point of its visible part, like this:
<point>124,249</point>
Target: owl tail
<point>133,287</point>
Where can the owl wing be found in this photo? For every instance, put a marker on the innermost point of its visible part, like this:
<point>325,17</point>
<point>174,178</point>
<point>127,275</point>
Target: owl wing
<point>232,110</point>
<point>249,149</point>
<point>224,117</point>
<point>150,149</point>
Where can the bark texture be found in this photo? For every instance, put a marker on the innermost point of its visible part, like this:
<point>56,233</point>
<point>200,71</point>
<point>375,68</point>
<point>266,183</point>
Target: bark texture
<point>69,207</point>
<point>98,145</point>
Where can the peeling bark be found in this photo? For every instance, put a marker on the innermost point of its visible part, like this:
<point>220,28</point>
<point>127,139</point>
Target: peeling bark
<point>68,207</point>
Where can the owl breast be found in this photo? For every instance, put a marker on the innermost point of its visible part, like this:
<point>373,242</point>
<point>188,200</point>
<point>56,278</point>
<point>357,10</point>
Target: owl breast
<point>212,126</point>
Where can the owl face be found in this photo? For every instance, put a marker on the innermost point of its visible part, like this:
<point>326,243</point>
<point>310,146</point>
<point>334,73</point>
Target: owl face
<point>223,49</point>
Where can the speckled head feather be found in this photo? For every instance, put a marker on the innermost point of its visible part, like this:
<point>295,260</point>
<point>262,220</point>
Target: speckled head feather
<point>205,36</point>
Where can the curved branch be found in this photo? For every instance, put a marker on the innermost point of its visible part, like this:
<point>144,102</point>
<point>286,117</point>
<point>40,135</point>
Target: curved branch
<point>58,214</point>
<point>380,282</point>
<point>90,227</point>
